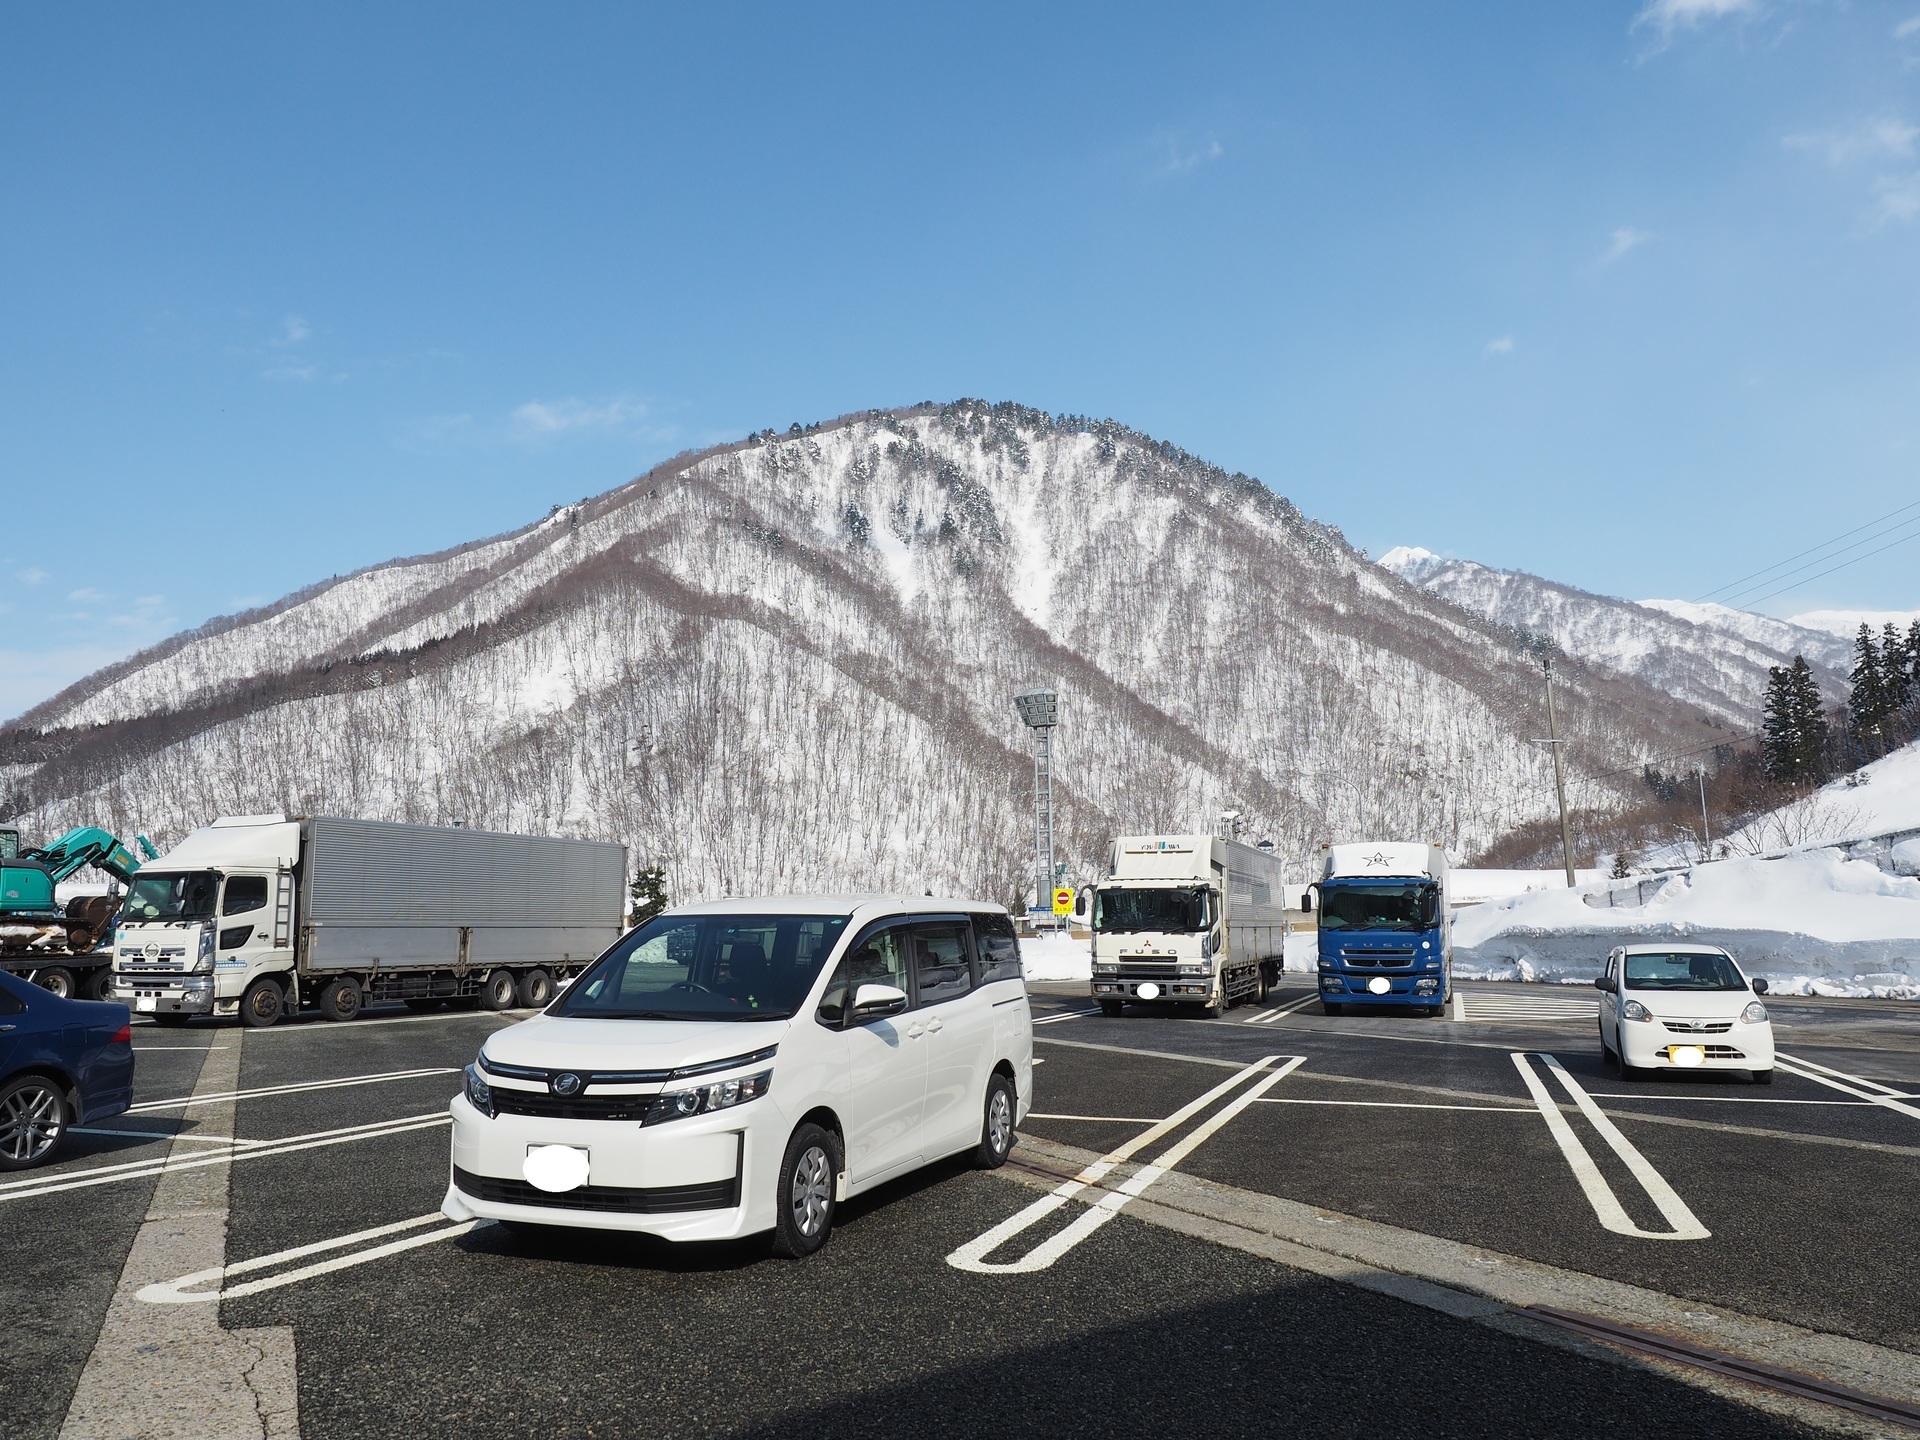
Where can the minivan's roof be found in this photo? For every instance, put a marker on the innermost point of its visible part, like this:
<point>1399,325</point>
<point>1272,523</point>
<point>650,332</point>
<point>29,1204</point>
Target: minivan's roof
<point>835,905</point>
<point>1674,948</point>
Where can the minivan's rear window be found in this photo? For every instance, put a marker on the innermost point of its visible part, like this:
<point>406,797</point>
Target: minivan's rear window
<point>1682,971</point>
<point>706,967</point>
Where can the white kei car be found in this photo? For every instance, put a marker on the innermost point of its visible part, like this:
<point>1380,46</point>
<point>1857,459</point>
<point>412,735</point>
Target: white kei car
<point>1682,1007</point>
<point>740,1067</point>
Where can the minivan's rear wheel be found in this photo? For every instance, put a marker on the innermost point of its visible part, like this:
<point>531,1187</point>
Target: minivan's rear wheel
<point>33,1121</point>
<point>805,1201</point>
<point>996,1130</point>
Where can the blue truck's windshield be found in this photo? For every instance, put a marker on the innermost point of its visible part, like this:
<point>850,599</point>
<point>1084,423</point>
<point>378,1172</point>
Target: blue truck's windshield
<point>1393,905</point>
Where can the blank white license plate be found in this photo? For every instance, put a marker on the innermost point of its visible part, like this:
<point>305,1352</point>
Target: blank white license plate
<point>146,1002</point>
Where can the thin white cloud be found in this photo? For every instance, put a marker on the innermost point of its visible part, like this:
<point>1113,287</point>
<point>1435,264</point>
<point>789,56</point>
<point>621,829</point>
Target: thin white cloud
<point>1887,137</point>
<point>1503,345</point>
<point>293,330</point>
<point>1623,240</point>
<point>1172,154</point>
<point>1907,27</point>
<point>538,419</point>
<point>87,597</point>
<point>1897,197</point>
<point>31,576</point>
<point>1666,16</point>
<point>298,373</point>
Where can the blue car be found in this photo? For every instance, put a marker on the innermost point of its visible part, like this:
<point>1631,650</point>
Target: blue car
<point>62,1063</point>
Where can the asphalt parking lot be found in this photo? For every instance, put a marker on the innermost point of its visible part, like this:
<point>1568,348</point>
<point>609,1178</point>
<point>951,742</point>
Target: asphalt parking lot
<point>1252,1287</point>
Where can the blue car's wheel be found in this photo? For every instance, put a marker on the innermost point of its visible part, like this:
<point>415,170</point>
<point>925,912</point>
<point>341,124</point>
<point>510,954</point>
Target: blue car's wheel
<point>33,1121</point>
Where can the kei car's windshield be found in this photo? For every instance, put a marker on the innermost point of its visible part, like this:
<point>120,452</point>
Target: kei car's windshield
<point>1168,911</point>
<point>170,897</point>
<point>1371,907</point>
<point>706,967</point>
<point>1682,972</point>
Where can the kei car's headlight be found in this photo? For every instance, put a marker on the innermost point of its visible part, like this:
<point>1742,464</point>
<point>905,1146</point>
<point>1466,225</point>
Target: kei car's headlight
<point>1634,1010</point>
<point>1754,1014</point>
<point>479,1093</point>
<point>704,1099</point>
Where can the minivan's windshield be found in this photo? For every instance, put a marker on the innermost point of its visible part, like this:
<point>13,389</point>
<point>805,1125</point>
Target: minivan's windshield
<point>170,897</point>
<point>1682,972</point>
<point>706,967</point>
<point>1394,906</point>
<point>1168,911</point>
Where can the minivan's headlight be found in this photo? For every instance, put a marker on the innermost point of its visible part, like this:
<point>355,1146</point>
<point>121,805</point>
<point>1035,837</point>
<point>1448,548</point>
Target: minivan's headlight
<point>1634,1010</point>
<point>1754,1014</point>
<point>704,1099</point>
<point>479,1093</point>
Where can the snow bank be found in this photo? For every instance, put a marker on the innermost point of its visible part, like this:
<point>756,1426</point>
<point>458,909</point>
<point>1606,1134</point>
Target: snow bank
<point>1056,956</point>
<point>1811,923</point>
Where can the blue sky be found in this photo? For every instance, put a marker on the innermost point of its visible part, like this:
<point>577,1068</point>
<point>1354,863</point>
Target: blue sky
<point>1624,294</point>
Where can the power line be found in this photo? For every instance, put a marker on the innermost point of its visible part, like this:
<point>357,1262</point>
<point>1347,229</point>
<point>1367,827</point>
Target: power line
<point>1824,544</point>
<point>1833,554</point>
<point>1841,566</point>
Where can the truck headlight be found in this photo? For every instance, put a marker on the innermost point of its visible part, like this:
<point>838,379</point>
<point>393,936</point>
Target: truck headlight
<point>1634,1010</point>
<point>704,1099</point>
<point>1190,968</point>
<point>1754,1014</point>
<point>479,1093</point>
<point>203,964</point>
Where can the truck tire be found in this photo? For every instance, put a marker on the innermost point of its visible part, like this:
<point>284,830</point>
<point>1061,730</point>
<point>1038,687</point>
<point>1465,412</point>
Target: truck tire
<point>1330,1008</point>
<point>1214,1009</point>
<point>262,1004</point>
<point>57,980</point>
<point>96,984</point>
<point>498,992</point>
<point>1111,1009</point>
<point>1261,986</point>
<point>536,990</point>
<point>340,1000</point>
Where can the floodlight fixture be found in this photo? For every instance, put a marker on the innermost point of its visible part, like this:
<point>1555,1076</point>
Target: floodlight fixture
<point>1039,708</point>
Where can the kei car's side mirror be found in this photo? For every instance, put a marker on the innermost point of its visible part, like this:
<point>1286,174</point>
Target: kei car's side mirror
<point>1606,983</point>
<point>874,1002</point>
<point>1759,986</point>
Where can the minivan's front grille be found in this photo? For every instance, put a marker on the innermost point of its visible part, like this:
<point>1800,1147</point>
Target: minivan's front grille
<point>661,1200</point>
<point>580,1107</point>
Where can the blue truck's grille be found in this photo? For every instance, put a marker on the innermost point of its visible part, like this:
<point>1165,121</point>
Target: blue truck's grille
<point>1396,958</point>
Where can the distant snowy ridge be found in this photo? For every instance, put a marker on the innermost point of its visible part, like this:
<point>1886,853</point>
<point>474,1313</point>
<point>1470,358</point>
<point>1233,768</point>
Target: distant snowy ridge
<point>1784,637</point>
<point>1704,656</point>
<point>785,664</point>
<point>1846,623</point>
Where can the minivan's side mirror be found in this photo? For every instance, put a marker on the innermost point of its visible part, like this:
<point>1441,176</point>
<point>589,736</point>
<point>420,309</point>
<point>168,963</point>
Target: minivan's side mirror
<point>1759,986</point>
<point>1606,983</point>
<point>874,1002</point>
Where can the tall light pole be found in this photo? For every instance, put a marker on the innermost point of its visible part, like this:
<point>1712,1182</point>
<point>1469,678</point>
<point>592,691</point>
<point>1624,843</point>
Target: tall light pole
<point>1554,742</point>
<point>1706,833</point>
<point>1040,712</point>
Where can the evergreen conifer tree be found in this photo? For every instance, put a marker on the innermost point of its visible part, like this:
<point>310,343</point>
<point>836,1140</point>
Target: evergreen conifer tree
<point>1868,702</point>
<point>649,894</point>
<point>1811,735</point>
<point>1779,739</point>
<point>1896,669</point>
<point>1913,659</point>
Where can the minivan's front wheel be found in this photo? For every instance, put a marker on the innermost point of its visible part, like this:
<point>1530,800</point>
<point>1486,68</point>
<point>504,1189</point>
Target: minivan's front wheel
<point>996,1131</point>
<point>808,1173</point>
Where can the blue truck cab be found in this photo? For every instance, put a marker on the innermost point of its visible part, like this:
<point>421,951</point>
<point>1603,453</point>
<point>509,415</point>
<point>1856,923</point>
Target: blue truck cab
<point>1384,936</point>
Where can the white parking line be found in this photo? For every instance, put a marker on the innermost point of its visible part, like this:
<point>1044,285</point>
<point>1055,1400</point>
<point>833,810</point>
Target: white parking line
<point>185,1101</point>
<point>1847,1084</point>
<point>1119,1119</point>
<point>182,1291</point>
<point>140,1169</point>
<point>1397,1105</point>
<point>1066,1015</point>
<point>1606,1205</point>
<point>197,1139</point>
<point>1285,1010</point>
<point>971,1256</point>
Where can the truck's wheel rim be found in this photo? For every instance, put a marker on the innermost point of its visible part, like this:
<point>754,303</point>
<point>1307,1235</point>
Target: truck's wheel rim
<point>30,1123</point>
<point>58,985</point>
<point>812,1191</point>
<point>999,1121</point>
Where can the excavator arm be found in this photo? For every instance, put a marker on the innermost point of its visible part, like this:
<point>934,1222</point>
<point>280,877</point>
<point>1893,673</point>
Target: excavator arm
<point>89,845</point>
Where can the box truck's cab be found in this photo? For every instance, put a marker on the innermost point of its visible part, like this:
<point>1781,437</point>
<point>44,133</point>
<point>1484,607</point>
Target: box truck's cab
<point>210,923</point>
<point>1384,935</point>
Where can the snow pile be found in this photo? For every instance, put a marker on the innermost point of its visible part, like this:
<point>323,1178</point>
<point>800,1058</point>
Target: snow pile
<point>1056,955</point>
<point>1811,923</point>
<point>1879,799</point>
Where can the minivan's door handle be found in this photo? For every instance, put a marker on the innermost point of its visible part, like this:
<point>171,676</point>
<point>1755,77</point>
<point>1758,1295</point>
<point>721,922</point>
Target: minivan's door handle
<point>916,1030</point>
<point>934,1024</point>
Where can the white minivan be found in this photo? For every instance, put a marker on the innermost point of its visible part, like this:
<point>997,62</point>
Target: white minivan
<point>739,1067</point>
<point>1682,1007</point>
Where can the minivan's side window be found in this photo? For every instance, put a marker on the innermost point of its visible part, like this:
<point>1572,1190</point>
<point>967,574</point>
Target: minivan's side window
<point>999,948</point>
<point>878,959</point>
<point>940,961</point>
<point>244,893</point>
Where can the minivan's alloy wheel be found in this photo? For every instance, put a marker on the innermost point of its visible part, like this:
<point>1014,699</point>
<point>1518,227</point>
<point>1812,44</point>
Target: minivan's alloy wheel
<point>996,1131</point>
<point>33,1121</point>
<point>805,1204</point>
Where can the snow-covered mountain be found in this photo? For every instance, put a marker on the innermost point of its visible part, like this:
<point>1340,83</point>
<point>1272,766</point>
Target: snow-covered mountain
<point>787,664</point>
<point>1846,623</point>
<point>1705,655</point>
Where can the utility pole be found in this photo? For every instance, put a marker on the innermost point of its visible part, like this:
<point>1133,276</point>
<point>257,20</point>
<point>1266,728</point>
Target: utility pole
<point>1559,773</point>
<point>1706,833</point>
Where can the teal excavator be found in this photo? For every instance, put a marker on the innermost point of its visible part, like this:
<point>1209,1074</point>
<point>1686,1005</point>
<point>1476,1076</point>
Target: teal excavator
<point>42,940</point>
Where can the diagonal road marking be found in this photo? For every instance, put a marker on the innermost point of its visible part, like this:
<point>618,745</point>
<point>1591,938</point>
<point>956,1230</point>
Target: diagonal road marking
<point>1847,1084</point>
<point>184,1291</point>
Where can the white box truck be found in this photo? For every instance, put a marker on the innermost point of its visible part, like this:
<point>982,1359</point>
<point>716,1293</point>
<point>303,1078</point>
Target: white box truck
<point>1188,919</point>
<point>260,915</point>
<point>1385,935</point>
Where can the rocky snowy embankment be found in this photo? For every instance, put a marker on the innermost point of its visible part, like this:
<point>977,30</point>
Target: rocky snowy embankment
<point>1811,923</point>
